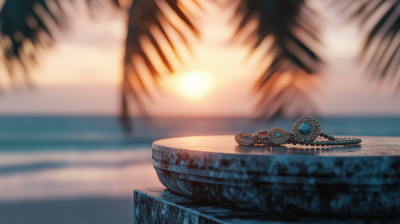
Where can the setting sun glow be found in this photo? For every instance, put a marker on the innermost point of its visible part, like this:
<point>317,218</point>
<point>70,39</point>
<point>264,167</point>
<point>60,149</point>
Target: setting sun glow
<point>195,84</point>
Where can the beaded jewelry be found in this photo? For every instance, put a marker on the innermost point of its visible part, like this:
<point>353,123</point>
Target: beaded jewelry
<point>305,131</point>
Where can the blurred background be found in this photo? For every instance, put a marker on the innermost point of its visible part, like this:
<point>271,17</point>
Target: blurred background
<point>87,85</point>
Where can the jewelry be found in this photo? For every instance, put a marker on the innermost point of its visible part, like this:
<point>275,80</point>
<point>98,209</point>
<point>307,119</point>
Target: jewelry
<point>261,137</point>
<point>244,138</point>
<point>278,136</point>
<point>305,131</point>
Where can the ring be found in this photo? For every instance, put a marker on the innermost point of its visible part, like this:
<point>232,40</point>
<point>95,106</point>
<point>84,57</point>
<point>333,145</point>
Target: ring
<point>305,131</point>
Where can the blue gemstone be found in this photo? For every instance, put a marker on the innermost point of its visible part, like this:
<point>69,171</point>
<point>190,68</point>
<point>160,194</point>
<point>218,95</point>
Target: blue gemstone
<point>305,129</point>
<point>278,134</point>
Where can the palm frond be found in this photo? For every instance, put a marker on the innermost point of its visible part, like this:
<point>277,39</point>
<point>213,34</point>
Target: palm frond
<point>291,56</point>
<point>23,26</point>
<point>143,15</point>
<point>381,47</point>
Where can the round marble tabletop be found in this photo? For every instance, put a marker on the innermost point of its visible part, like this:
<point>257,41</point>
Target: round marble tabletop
<point>371,146</point>
<point>357,180</point>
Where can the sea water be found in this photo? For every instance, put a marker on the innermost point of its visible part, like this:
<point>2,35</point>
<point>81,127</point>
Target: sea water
<point>55,133</point>
<point>45,157</point>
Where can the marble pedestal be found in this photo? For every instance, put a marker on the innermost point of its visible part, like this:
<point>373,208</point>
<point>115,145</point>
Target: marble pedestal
<point>160,205</point>
<point>348,181</point>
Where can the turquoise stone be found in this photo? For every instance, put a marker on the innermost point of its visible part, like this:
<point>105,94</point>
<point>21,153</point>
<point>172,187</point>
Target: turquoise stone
<point>278,134</point>
<point>305,129</point>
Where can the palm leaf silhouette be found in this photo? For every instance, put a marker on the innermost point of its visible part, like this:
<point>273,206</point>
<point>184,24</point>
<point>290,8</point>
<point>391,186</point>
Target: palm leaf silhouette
<point>293,60</point>
<point>22,23</point>
<point>143,15</point>
<point>381,47</point>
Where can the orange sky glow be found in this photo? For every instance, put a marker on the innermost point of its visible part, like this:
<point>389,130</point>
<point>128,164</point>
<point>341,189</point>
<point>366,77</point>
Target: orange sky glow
<point>81,74</point>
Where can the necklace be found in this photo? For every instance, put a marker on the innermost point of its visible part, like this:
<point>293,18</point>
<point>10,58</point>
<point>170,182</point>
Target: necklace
<point>305,131</point>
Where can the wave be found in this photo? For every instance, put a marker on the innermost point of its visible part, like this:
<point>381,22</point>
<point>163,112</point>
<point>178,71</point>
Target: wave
<point>65,174</point>
<point>17,162</point>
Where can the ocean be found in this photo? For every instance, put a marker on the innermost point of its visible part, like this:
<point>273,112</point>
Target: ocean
<point>55,133</point>
<point>83,169</point>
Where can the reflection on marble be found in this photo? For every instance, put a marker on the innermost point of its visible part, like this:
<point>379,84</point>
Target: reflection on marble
<point>285,150</point>
<point>345,180</point>
<point>160,205</point>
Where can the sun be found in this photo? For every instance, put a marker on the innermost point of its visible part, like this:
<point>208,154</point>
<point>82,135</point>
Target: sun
<point>195,84</point>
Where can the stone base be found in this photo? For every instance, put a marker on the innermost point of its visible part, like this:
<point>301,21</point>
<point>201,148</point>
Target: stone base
<point>160,205</point>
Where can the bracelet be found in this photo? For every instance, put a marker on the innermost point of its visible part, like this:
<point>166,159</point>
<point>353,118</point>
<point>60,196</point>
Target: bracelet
<point>305,131</point>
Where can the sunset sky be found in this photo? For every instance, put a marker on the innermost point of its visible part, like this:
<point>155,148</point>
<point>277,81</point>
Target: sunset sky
<point>82,72</point>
